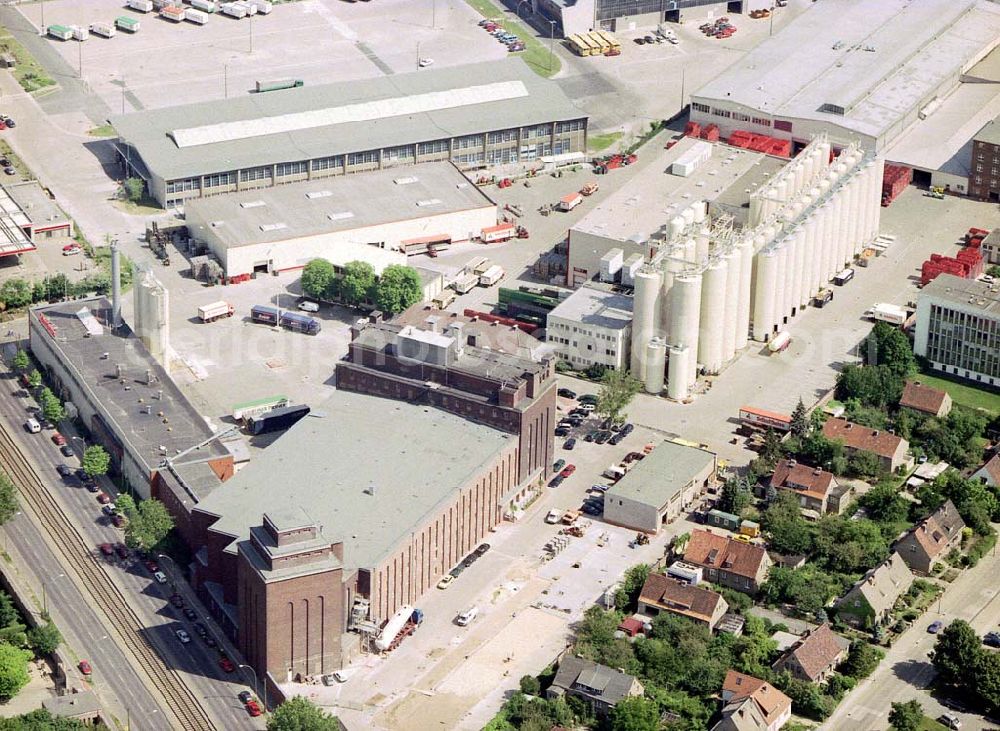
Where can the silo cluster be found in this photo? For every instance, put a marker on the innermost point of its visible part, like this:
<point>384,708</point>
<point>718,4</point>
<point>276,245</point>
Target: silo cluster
<point>696,297</point>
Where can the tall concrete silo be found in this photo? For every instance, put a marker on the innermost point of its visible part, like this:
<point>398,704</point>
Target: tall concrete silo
<point>152,316</point>
<point>645,317</point>
<point>656,365</point>
<point>713,312</point>
<point>679,376</point>
<point>764,295</point>
<point>685,319</point>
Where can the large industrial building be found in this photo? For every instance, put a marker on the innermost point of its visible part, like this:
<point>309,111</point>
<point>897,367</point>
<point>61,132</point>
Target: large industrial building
<point>476,116</point>
<point>592,327</point>
<point>958,328</point>
<point>580,16</point>
<point>363,217</point>
<point>861,71</point>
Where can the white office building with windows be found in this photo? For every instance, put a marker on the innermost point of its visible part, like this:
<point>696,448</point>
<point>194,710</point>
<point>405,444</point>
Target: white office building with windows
<point>592,327</point>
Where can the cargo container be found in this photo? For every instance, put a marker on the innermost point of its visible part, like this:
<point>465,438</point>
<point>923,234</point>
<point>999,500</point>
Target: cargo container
<point>569,202</point>
<point>277,84</point>
<point>444,299</point>
<point>263,7</point>
<point>780,341</point>
<point>106,30</point>
<point>143,6</point>
<point>127,24</point>
<point>843,277</point>
<point>720,519</point>
<point>250,8</point>
<point>276,419</point>
<point>205,6</point>
<point>174,13</point>
<point>259,407</point>
<point>500,232</point>
<point>80,33</point>
<point>215,310</point>
<point>264,314</point>
<point>159,5</point>
<point>195,16</point>
<point>893,314</point>
<point>300,323</point>
<point>465,282</point>
<point>492,275</point>
<point>233,10</point>
<point>62,32</point>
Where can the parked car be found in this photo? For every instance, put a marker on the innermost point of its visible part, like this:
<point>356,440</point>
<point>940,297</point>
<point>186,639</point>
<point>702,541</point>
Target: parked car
<point>482,548</point>
<point>253,709</point>
<point>568,470</point>
<point>558,465</point>
<point>64,470</point>
<point>117,520</point>
<point>935,626</point>
<point>66,450</point>
<point>107,549</point>
<point>602,437</point>
<point>210,641</point>
<point>200,629</point>
<point>445,581</point>
<point>190,614</point>
<point>160,577</point>
<point>588,398</point>
<point>616,438</point>
<point>308,306</point>
<point>103,498</point>
<point>85,667</point>
<point>992,639</point>
<point>183,636</point>
<point>950,720</point>
<point>245,696</point>
<point>456,572</point>
<point>177,600</point>
<point>58,439</point>
<point>562,431</point>
<point>109,509</point>
<point>556,481</point>
<point>566,393</point>
<point>569,443</point>
<point>72,249</point>
<point>227,665</point>
<point>91,485</point>
<point>151,566</point>
<point>122,550</point>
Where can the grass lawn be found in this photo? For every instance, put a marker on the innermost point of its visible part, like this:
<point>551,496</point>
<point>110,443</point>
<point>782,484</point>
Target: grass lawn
<point>599,143</point>
<point>964,393</point>
<point>535,53</point>
<point>29,74</point>
<point>928,724</point>
<point>105,130</point>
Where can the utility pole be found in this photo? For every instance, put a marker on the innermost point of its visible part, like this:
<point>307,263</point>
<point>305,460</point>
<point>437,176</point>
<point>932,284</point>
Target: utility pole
<point>225,79</point>
<point>79,47</point>
<point>434,7</point>
<point>682,87</point>
<point>43,16</point>
<point>251,35</point>
<point>552,35</point>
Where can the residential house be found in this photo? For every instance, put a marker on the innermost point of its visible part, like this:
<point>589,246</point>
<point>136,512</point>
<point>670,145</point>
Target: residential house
<point>925,399</point>
<point>990,472</point>
<point>741,715</point>
<point>871,599</point>
<point>815,489</point>
<point>890,449</point>
<point>930,540</point>
<point>815,656</point>
<point>597,685</point>
<point>775,707</point>
<point>663,594</point>
<point>725,561</point>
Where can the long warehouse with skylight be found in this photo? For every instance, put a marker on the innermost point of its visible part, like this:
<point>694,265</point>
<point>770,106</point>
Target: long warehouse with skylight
<point>475,116</point>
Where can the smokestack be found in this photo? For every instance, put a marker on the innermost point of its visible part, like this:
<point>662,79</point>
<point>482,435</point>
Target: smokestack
<point>116,287</point>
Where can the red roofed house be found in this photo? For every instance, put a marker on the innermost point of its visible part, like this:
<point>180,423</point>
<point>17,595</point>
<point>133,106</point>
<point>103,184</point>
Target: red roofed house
<point>815,656</point>
<point>814,488</point>
<point>925,399</point>
<point>990,472</point>
<point>663,594</point>
<point>890,449</point>
<point>740,566</point>
<point>774,706</point>
<point>930,540</point>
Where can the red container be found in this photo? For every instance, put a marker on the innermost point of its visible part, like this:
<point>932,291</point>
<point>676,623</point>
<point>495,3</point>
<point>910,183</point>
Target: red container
<point>692,129</point>
<point>711,133</point>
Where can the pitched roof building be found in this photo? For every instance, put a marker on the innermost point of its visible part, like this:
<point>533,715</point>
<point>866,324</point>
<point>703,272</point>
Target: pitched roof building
<point>871,599</point>
<point>741,715</point>
<point>990,472</point>
<point>775,707</point>
<point>931,539</point>
<point>737,565</point>
<point>598,685</point>
<point>925,399</point>
<point>815,656</point>
<point>814,488</point>
<point>890,449</point>
<point>664,594</point>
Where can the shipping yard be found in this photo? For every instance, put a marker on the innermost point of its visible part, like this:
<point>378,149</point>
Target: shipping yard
<point>588,365</point>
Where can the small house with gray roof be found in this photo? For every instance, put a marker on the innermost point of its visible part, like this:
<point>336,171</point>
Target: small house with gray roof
<point>871,599</point>
<point>597,685</point>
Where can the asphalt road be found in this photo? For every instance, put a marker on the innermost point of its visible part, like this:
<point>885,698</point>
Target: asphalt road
<point>196,661</point>
<point>906,672</point>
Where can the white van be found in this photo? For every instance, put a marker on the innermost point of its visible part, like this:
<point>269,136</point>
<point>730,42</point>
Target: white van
<point>33,426</point>
<point>554,516</point>
<point>466,617</point>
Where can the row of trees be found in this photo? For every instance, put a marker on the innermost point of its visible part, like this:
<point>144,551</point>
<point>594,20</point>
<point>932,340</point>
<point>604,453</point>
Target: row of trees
<point>963,664</point>
<point>394,291</point>
<point>18,645</point>
<point>17,292</point>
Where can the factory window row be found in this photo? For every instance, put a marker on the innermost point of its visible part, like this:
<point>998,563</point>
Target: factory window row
<point>722,113</point>
<point>699,107</point>
<point>507,135</point>
<point>538,130</point>
<point>291,168</point>
<point>473,158</point>
<point>574,126</point>
<point>179,186</point>
<point>362,158</point>
<point>214,181</point>
<point>761,121</point>
<point>251,174</point>
<point>739,116</point>
<point>328,163</point>
<point>401,152</point>
<point>429,148</point>
<point>500,157</point>
<point>783,125</point>
<point>464,143</point>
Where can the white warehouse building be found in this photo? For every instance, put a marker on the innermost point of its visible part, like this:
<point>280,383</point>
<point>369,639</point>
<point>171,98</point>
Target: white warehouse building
<point>592,327</point>
<point>365,216</point>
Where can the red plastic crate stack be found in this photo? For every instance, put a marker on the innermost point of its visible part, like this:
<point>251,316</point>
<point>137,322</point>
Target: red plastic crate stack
<point>692,129</point>
<point>967,263</point>
<point>761,143</point>
<point>711,133</point>
<point>894,179</point>
<point>527,327</point>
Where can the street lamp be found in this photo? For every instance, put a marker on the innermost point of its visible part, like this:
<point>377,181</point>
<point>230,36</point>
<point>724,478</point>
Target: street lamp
<point>256,685</point>
<point>173,586</point>
<point>552,35</point>
<point>45,603</point>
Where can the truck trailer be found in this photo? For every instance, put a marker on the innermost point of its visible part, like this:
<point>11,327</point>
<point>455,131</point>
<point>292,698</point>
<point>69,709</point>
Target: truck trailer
<point>569,202</point>
<point>174,13</point>
<point>844,277</point>
<point>105,30</point>
<point>205,6</point>
<point>215,310</point>
<point>500,232</point>
<point>143,6</point>
<point>197,17</point>
<point>278,84</point>
<point>62,32</point>
<point>492,275</point>
<point>393,627</point>
<point>276,419</point>
<point>259,407</point>
<point>465,282</point>
<point>127,24</point>
<point>80,33</point>
<point>233,10</point>
<point>885,312</point>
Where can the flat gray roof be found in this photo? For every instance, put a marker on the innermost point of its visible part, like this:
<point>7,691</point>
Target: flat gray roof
<point>990,133</point>
<point>968,294</point>
<point>82,352</point>
<point>665,471</point>
<point>365,482</point>
<point>333,119</point>
<point>334,204</point>
<point>875,59</point>
<point>37,204</point>
<point>591,306</point>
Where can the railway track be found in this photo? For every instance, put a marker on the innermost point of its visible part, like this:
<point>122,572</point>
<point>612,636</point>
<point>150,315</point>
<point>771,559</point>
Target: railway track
<point>190,715</point>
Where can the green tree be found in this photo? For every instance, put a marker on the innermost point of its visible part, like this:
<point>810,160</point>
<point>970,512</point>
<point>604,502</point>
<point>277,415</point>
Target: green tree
<point>57,287</point>
<point>133,189</point>
<point>800,420</point>
<point>885,504</point>
<point>635,714</point>
<point>771,451</point>
<point>994,271</point>
<point>52,408</point>
<point>21,361</point>
<point>8,612</point>
<point>34,379</point>
<point>790,533</point>
<point>906,716</point>
<point>96,461</point>
<point>15,293</point>
<point>986,675</point>
<point>8,498</point>
<point>41,720</point>
<point>618,387</point>
<point>862,660</point>
<point>301,714</point>
<point>809,588</point>
<point>398,288</point>
<point>358,283</point>
<point>849,546</point>
<point>890,347</point>
<point>149,522</point>
<point>872,385</point>
<point>863,463</point>
<point>736,495</point>
<point>318,279</point>
<point>627,596</point>
<point>530,685</point>
<point>13,670</point>
<point>956,651</point>
<point>44,639</point>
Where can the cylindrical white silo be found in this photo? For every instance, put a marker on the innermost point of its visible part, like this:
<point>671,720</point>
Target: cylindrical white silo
<point>798,243</point>
<point>686,317</point>
<point>874,205</point>
<point>743,303</point>
<point>700,209</point>
<point>702,242</point>
<point>688,215</point>
<point>840,202</point>
<point>765,283</point>
<point>690,250</point>
<point>770,203</point>
<point>676,227</point>
<point>781,188</point>
<point>713,313</point>
<point>672,266</point>
<point>859,197</point>
<point>678,374</point>
<point>656,365</point>
<point>756,212</point>
<point>785,276</point>
<point>824,153</point>
<point>731,312</point>
<point>645,317</point>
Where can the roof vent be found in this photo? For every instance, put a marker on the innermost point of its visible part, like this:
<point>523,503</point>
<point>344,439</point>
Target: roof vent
<point>252,204</point>
<point>429,202</point>
<point>339,215</point>
<point>265,227</point>
<point>406,181</point>
<point>318,194</point>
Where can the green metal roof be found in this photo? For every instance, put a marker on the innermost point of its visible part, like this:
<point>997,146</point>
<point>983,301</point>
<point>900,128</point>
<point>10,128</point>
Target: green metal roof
<point>665,471</point>
<point>152,132</point>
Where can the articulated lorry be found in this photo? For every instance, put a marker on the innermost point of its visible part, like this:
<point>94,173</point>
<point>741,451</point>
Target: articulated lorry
<point>215,310</point>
